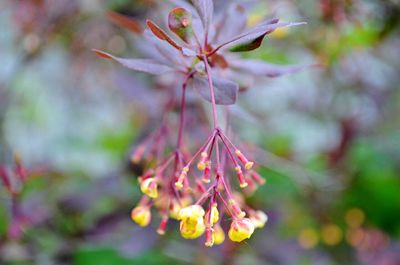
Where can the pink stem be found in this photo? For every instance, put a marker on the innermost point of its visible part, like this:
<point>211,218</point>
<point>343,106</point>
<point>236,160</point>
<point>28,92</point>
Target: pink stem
<point>229,151</point>
<point>182,116</point>
<point>210,83</point>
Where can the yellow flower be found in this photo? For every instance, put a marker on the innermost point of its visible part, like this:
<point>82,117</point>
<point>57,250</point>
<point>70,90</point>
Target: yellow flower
<point>174,210</point>
<point>149,187</point>
<point>259,219</point>
<point>241,229</point>
<point>219,235</point>
<point>214,215</point>
<point>192,222</point>
<point>141,215</point>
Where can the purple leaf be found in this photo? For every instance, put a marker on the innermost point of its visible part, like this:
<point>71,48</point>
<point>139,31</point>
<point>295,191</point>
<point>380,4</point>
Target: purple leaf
<point>166,54</point>
<point>261,68</point>
<point>252,39</point>
<point>231,23</point>
<point>225,91</point>
<point>142,65</point>
<point>205,8</point>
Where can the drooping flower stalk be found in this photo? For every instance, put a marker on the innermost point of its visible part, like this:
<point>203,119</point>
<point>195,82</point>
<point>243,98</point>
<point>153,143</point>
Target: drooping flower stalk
<point>170,182</point>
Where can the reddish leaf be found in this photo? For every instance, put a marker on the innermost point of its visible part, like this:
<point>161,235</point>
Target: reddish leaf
<point>261,68</point>
<point>205,8</point>
<point>219,60</point>
<point>142,65</point>
<point>103,55</point>
<point>180,23</point>
<point>252,39</point>
<point>159,33</point>
<point>225,91</point>
<point>125,21</point>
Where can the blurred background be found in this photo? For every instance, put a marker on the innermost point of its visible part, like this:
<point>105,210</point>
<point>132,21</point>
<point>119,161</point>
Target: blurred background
<point>331,137</point>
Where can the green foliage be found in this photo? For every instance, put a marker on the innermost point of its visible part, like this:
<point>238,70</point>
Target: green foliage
<point>107,256</point>
<point>375,187</point>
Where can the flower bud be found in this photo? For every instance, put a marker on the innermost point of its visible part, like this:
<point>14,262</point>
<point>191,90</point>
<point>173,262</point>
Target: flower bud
<point>247,164</point>
<point>192,222</point>
<point>174,209</point>
<point>146,175</point>
<point>182,177</point>
<point>241,229</point>
<point>251,188</point>
<point>219,235</point>
<point>149,187</point>
<point>236,209</point>
<point>202,163</point>
<point>141,215</point>
<point>242,180</point>
<point>214,215</point>
<point>257,178</point>
<point>209,237</point>
<point>163,226</point>
<point>192,211</point>
<point>259,219</point>
<point>207,172</point>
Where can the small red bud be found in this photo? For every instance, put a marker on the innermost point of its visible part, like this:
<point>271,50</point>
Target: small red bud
<point>247,164</point>
<point>236,209</point>
<point>209,237</point>
<point>202,163</point>
<point>163,226</point>
<point>181,178</point>
<point>257,178</point>
<point>242,180</point>
<point>207,172</point>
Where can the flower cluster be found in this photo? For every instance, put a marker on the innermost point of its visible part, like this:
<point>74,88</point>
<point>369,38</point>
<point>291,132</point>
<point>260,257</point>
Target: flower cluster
<point>197,188</point>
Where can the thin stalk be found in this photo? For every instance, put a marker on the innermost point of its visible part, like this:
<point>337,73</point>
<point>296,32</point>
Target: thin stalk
<point>210,83</point>
<point>202,148</point>
<point>229,151</point>
<point>182,113</point>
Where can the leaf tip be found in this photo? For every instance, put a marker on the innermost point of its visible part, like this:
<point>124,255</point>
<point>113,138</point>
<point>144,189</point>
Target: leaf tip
<point>102,54</point>
<point>149,23</point>
<point>124,21</point>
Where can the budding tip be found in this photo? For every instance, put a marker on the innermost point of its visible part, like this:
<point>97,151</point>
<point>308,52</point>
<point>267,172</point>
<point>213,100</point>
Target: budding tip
<point>244,185</point>
<point>242,214</point>
<point>178,185</point>
<point>249,165</point>
<point>201,166</point>
<point>160,232</point>
<point>237,152</point>
<point>206,181</point>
